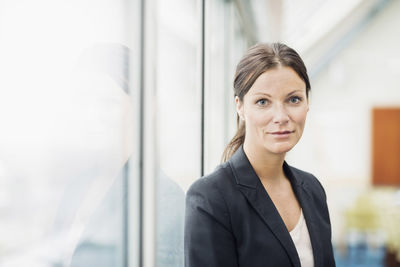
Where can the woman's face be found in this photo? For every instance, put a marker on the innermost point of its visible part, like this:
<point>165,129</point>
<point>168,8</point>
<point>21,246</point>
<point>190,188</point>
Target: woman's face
<point>275,103</point>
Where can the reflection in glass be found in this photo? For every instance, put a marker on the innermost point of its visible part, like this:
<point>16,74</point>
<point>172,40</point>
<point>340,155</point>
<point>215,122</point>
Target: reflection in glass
<point>65,112</point>
<point>178,106</point>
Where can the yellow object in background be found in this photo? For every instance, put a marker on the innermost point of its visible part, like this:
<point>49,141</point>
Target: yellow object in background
<point>363,215</point>
<point>376,215</point>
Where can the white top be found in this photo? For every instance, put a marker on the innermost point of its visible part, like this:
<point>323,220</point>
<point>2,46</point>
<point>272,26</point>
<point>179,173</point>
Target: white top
<point>301,240</point>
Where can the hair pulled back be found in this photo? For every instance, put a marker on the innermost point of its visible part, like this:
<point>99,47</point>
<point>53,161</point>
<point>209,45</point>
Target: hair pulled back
<point>258,59</point>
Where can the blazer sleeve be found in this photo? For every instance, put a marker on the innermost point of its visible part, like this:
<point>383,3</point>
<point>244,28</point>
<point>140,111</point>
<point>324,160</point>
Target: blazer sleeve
<point>208,239</point>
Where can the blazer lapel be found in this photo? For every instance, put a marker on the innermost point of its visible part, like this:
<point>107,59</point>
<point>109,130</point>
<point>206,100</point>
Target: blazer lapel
<point>252,188</point>
<point>307,204</point>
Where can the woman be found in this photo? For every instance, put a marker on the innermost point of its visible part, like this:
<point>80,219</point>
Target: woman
<point>255,210</point>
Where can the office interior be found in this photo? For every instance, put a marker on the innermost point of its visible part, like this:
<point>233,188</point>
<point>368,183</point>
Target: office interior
<point>111,109</point>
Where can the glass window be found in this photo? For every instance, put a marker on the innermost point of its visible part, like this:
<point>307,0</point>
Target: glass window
<point>225,44</point>
<point>177,102</point>
<point>66,116</point>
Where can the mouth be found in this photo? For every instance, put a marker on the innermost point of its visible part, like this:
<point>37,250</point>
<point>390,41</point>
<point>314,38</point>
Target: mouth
<point>282,132</point>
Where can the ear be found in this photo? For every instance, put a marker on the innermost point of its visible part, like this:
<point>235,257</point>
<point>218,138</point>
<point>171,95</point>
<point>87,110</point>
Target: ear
<point>239,107</point>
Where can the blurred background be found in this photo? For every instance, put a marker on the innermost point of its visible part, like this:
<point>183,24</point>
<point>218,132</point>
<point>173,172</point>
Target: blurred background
<point>110,109</point>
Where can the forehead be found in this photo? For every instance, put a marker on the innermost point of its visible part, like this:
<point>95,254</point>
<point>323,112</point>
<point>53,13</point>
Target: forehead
<point>278,81</point>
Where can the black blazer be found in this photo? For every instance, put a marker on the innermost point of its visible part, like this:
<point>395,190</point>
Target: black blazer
<point>231,221</point>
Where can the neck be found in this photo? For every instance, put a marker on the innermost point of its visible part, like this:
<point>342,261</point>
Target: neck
<point>268,166</point>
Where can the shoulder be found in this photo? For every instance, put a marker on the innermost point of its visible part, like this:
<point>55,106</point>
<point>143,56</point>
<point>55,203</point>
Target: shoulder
<point>310,182</point>
<point>206,196</point>
<point>213,191</point>
<point>213,182</point>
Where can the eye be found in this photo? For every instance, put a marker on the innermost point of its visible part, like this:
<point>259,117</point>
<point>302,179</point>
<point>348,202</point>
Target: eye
<point>262,102</point>
<point>295,99</point>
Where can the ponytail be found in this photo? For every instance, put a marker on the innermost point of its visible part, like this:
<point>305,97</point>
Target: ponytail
<point>236,141</point>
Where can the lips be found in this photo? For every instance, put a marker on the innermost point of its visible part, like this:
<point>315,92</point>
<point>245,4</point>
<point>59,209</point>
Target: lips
<point>283,132</point>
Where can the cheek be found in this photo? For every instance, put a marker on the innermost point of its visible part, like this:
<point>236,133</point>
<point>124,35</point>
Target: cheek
<point>299,116</point>
<point>257,118</point>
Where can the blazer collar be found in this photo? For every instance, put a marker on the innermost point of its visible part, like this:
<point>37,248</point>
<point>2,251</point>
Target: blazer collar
<point>252,188</point>
<point>246,176</point>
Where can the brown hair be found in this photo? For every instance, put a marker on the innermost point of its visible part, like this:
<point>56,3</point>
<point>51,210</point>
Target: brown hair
<point>258,59</point>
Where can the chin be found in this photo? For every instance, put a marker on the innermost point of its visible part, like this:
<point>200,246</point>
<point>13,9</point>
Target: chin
<point>280,148</point>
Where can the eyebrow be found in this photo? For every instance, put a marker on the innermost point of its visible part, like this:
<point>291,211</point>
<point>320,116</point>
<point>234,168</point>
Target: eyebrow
<point>287,94</point>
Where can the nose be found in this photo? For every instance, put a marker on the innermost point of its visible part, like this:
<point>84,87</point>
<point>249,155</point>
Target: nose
<point>280,115</point>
